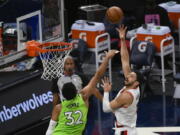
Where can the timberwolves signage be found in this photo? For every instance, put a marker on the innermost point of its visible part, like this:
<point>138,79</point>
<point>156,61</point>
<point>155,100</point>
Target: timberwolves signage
<point>36,101</point>
<point>24,104</point>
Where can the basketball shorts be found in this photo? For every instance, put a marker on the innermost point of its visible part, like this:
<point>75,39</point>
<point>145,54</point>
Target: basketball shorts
<point>123,130</point>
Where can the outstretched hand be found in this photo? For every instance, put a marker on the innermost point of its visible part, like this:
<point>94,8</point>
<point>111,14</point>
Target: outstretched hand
<point>122,31</point>
<point>111,53</point>
<point>106,85</point>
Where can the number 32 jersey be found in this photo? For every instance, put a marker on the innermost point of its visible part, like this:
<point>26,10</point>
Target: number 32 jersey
<point>73,117</point>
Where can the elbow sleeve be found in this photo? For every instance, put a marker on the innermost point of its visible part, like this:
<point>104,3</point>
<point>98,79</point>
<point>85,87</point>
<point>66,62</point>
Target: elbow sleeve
<point>106,104</point>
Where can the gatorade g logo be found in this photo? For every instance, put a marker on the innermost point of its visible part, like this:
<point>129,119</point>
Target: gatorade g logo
<point>142,47</point>
<point>83,36</point>
<point>101,57</point>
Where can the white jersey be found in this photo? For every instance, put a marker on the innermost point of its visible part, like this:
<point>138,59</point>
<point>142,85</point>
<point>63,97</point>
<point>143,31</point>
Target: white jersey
<point>127,116</point>
<point>75,79</point>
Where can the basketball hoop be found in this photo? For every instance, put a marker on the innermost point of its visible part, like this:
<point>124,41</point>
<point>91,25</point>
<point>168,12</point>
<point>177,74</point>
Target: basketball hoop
<point>52,55</point>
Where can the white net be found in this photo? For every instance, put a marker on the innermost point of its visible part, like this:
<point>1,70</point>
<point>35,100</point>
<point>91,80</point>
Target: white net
<point>53,62</point>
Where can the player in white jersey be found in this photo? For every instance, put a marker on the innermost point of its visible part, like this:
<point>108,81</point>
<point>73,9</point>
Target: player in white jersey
<point>124,106</point>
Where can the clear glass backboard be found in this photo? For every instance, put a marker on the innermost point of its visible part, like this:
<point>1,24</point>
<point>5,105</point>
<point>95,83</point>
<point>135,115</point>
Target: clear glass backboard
<point>53,20</point>
<point>44,25</point>
<point>29,28</point>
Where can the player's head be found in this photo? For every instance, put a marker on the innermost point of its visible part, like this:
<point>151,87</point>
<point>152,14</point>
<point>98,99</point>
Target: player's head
<point>133,79</point>
<point>69,91</point>
<point>69,65</point>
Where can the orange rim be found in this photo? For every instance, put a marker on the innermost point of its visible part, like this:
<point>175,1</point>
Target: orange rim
<point>34,48</point>
<point>68,47</point>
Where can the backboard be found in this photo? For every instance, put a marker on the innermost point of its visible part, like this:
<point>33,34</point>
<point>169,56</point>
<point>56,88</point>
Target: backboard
<point>29,27</point>
<point>53,20</point>
<point>40,26</point>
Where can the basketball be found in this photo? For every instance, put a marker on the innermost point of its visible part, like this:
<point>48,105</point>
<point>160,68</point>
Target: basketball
<point>114,14</point>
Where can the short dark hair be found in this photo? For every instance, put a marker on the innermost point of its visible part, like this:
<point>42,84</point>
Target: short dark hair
<point>139,76</point>
<point>69,91</point>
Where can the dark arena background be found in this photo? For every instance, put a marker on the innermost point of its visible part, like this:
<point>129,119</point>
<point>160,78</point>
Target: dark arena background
<point>26,99</point>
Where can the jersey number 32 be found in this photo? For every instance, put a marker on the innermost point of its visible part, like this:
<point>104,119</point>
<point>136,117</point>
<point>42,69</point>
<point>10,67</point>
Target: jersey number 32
<point>72,120</point>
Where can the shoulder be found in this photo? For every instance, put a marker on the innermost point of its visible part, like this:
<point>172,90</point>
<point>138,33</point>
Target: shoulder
<point>64,78</point>
<point>128,96</point>
<point>134,92</point>
<point>125,97</point>
<point>76,77</point>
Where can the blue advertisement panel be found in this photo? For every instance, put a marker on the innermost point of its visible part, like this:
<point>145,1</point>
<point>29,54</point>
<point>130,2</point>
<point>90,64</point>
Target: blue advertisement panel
<point>24,104</point>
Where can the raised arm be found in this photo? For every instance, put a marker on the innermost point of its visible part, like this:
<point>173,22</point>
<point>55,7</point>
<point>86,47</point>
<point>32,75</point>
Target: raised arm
<point>102,68</point>
<point>88,90</point>
<point>124,52</point>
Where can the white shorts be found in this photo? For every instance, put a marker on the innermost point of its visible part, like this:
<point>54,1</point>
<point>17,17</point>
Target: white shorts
<point>125,130</point>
